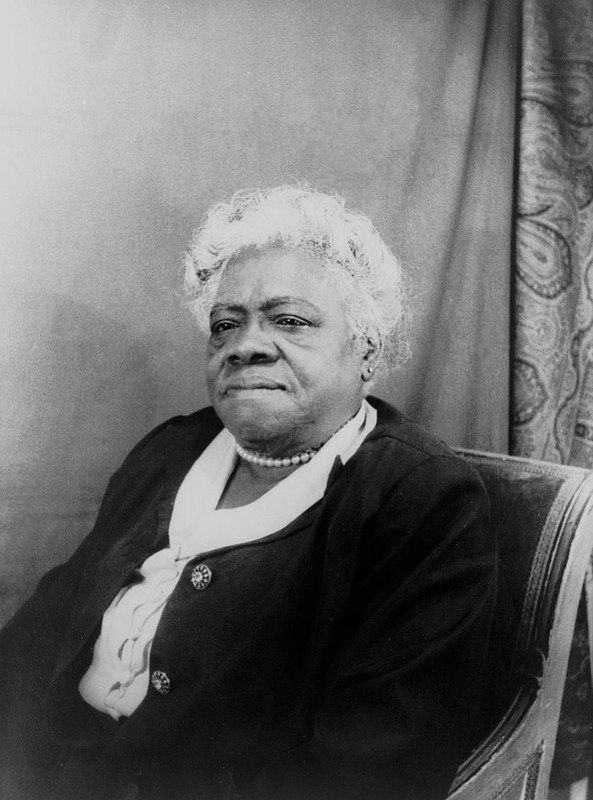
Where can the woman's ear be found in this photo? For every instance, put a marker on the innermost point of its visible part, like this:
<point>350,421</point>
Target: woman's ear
<point>370,359</point>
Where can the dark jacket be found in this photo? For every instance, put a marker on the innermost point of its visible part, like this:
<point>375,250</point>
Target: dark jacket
<point>340,657</point>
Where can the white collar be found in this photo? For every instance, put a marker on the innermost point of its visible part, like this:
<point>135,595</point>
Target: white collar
<point>197,526</point>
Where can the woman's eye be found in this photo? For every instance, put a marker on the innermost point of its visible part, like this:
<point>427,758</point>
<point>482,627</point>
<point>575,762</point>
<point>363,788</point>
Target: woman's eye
<point>291,322</point>
<point>222,326</point>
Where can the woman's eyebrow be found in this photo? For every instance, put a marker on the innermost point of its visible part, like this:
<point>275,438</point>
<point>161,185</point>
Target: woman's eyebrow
<point>236,307</point>
<point>267,305</point>
<point>283,300</point>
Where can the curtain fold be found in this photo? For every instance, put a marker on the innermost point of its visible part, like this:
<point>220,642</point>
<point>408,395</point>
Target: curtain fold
<point>552,387</point>
<point>456,196</point>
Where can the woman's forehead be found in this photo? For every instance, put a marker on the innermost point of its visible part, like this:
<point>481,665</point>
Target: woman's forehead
<point>271,274</point>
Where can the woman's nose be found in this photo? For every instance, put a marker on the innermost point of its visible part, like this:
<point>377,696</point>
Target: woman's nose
<point>249,344</point>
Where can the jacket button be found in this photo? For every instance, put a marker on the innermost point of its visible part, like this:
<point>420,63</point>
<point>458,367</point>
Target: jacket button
<point>130,791</point>
<point>160,681</point>
<point>201,577</point>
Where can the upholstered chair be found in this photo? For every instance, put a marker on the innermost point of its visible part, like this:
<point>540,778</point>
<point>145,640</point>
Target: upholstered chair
<point>542,516</point>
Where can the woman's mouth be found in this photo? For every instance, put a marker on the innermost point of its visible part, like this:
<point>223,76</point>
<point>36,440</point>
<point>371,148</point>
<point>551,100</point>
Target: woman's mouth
<point>250,385</point>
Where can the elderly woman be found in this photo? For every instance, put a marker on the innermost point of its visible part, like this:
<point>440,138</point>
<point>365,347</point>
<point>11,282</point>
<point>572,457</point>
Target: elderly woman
<point>286,596</point>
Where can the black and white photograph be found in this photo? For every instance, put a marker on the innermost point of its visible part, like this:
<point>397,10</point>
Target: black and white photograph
<point>296,405</point>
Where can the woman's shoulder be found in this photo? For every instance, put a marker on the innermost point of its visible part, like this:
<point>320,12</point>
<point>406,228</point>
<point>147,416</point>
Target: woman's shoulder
<point>396,431</point>
<point>399,452</point>
<point>187,428</point>
<point>415,481</point>
<point>203,419</point>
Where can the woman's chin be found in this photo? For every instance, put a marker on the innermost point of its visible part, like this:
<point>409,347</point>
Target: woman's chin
<point>255,420</point>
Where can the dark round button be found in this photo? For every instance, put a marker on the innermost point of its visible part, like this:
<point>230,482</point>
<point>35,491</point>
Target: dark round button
<point>130,791</point>
<point>160,681</point>
<point>201,576</point>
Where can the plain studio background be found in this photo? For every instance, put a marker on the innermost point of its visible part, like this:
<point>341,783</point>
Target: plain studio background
<point>122,122</point>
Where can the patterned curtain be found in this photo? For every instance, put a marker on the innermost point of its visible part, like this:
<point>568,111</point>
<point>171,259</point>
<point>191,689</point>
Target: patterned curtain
<point>552,405</point>
<point>553,369</point>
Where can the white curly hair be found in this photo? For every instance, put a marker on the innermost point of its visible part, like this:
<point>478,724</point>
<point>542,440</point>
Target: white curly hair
<point>343,243</point>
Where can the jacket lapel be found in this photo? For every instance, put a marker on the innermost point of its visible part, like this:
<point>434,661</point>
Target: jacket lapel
<point>135,538</point>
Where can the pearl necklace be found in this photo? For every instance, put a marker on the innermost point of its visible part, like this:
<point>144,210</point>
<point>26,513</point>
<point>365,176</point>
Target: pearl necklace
<point>287,461</point>
<point>268,461</point>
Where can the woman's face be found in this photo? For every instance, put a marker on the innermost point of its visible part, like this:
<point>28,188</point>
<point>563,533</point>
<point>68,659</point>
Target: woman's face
<point>283,369</point>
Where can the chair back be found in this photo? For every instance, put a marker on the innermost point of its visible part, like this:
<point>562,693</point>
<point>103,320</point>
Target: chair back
<point>542,516</point>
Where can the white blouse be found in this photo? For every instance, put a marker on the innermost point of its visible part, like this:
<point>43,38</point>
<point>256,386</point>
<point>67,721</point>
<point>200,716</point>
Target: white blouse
<point>117,680</point>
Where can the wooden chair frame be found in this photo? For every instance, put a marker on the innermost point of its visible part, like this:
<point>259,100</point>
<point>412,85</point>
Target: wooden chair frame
<point>513,761</point>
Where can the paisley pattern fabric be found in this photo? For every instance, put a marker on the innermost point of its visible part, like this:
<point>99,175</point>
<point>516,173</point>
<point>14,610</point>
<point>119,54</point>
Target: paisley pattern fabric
<point>552,405</point>
<point>553,366</point>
